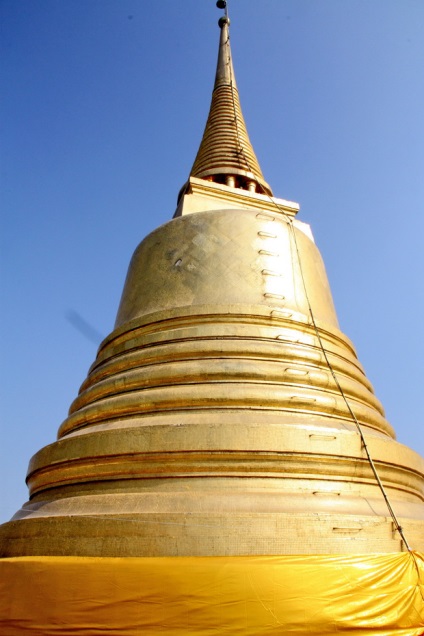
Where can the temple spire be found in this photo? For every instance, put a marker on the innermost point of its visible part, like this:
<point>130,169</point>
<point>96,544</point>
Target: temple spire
<point>225,154</point>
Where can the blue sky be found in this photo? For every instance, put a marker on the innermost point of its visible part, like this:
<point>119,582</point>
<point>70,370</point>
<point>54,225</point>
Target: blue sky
<point>104,107</point>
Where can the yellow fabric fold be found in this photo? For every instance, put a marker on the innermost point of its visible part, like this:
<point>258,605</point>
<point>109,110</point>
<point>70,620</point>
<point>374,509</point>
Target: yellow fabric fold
<point>204,596</point>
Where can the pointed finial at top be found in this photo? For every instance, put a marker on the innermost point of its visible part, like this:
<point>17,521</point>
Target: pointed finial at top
<point>225,154</point>
<point>224,20</point>
<point>224,69</point>
<point>222,4</point>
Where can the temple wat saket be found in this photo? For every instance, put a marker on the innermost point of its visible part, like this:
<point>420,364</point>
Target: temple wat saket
<point>226,415</point>
<point>213,399</point>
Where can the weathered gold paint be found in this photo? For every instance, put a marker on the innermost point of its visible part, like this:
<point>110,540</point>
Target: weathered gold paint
<point>210,422</point>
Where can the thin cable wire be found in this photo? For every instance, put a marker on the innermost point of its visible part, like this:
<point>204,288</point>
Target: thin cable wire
<point>346,401</point>
<point>396,523</point>
<point>337,382</point>
<point>357,424</point>
<point>289,220</point>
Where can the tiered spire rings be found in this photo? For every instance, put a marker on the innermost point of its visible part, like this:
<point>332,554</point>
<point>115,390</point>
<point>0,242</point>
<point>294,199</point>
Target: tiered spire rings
<point>225,154</point>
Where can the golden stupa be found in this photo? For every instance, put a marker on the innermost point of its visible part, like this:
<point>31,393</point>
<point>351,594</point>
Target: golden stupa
<point>226,415</point>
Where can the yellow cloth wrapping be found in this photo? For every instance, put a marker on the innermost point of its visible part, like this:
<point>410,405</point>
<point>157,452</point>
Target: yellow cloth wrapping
<point>205,596</point>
